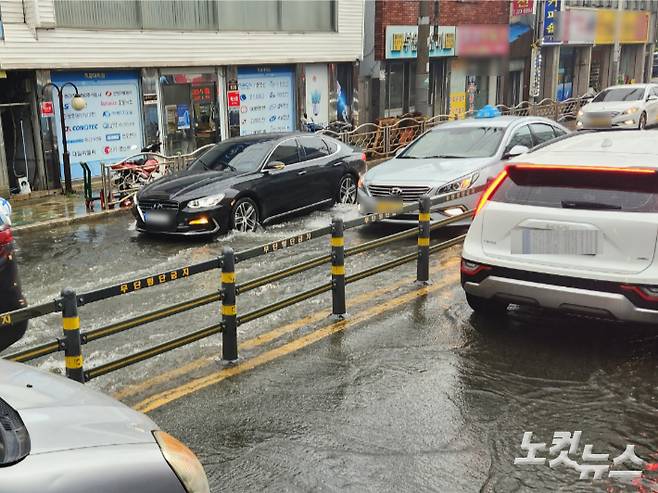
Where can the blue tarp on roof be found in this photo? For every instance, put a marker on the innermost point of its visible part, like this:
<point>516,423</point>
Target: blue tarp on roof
<point>516,30</point>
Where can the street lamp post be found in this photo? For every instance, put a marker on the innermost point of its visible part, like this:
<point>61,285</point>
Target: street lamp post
<point>77,103</point>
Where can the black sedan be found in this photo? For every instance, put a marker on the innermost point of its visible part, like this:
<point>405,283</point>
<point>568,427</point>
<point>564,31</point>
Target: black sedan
<point>11,297</point>
<point>246,181</point>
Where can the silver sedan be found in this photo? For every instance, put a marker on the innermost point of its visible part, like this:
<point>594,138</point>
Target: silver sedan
<point>57,436</point>
<point>451,157</point>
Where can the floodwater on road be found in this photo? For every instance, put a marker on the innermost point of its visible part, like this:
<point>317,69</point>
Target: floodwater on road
<point>422,396</point>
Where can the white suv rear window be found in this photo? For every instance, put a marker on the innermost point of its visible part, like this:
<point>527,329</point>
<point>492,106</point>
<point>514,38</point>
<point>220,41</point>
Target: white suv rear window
<point>580,188</point>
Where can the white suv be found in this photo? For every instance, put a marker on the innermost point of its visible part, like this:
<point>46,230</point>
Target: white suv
<point>571,226</point>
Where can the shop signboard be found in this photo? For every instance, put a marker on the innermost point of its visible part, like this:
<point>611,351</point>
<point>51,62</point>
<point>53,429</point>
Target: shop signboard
<point>457,104</point>
<point>634,27</point>
<point>483,40</point>
<point>401,42</point>
<point>109,128</point>
<point>233,99</point>
<point>47,109</point>
<point>550,29</point>
<point>522,7</point>
<point>267,102</point>
<point>576,26</point>
<point>317,93</point>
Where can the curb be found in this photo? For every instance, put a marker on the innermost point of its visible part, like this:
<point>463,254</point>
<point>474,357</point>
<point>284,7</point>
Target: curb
<point>65,221</point>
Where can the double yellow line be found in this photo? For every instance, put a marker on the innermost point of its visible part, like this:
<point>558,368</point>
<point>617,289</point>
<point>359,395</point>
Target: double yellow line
<point>165,397</point>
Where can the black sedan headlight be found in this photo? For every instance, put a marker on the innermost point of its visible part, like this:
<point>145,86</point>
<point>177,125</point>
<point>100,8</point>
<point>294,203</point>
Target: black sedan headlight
<point>206,202</point>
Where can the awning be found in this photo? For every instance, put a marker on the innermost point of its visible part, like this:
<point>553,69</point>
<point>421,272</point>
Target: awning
<point>516,30</point>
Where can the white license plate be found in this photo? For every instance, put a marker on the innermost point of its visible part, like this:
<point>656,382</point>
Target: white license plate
<point>555,241</point>
<point>157,218</point>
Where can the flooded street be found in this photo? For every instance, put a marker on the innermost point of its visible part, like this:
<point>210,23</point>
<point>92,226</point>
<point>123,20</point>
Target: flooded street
<point>412,392</point>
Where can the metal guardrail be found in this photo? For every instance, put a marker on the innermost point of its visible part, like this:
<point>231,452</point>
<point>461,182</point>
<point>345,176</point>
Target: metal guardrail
<point>74,339</point>
<point>382,141</point>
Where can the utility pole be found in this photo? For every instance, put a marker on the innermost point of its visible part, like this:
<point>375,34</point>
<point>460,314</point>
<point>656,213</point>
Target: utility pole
<point>616,56</point>
<point>423,58</point>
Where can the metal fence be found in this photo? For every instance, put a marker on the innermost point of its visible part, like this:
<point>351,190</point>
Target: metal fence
<point>74,339</point>
<point>382,141</point>
<point>119,186</point>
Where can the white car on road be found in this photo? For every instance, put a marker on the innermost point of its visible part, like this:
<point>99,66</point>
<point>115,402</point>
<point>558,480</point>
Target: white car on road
<point>629,106</point>
<point>571,226</point>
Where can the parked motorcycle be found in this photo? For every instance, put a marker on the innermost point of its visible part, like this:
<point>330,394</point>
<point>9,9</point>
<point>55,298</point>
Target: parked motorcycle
<point>131,175</point>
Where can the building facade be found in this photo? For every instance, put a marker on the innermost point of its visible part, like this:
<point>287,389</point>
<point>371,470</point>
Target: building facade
<point>184,72</point>
<point>587,45</point>
<point>469,42</point>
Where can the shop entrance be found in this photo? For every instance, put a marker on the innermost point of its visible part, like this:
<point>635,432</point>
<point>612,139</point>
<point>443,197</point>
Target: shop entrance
<point>191,116</point>
<point>20,170</point>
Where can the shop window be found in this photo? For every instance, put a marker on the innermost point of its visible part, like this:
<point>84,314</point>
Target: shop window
<point>191,118</point>
<point>394,88</point>
<point>277,15</point>
<point>566,70</point>
<point>199,15</point>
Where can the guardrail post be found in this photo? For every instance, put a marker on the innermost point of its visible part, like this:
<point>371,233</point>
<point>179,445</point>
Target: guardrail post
<point>72,339</point>
<point>338,269</point>
<point>229,312</point>
<point>423,263</point>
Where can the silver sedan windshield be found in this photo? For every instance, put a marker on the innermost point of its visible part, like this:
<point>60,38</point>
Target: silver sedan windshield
<point>456,142</point>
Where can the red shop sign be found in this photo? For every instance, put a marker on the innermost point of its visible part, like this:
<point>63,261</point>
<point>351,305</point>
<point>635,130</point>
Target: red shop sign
<point>233,99</point>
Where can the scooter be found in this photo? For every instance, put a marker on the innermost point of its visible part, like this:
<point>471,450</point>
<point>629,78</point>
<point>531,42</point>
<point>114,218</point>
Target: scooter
<point>130,175</point>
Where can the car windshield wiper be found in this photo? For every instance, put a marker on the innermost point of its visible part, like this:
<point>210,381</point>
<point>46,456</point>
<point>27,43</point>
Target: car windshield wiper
<point>444,156</point>
<point>406,157</point>
<point>230,166</point>
<point>582,204</point>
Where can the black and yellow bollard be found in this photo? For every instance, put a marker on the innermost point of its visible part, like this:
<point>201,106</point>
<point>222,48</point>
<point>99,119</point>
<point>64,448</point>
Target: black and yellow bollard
<point>72,339</point>
<point>423,263</point>
<point>229,312</point>
<point>338,268</point>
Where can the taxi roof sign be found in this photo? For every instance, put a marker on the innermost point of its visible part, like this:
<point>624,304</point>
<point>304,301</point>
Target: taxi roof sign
<point>487,111</point>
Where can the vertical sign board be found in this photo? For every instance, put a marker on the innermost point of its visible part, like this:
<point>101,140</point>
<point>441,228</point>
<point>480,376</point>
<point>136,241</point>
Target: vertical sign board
<point>317,93</point>
<point>267,99</point>
<point>109,128</point>
<point>549,31</point>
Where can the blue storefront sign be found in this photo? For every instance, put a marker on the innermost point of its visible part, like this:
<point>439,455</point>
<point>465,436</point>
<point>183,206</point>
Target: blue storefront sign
<point>109,128</point>
<point>550,29</point>
<point>401,42</point>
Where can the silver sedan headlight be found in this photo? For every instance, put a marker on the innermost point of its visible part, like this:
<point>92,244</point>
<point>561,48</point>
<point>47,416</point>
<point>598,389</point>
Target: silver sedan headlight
<point>460,184</point>
<point>205,202</point>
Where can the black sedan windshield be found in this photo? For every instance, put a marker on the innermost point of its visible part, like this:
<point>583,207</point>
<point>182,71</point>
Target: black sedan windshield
<point>456,142</point>
<point>243,156</point>
<point>621,94</point>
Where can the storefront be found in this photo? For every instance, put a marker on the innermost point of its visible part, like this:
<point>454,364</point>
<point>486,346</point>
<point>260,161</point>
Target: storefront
<point>109,128</point>
<point>189,109</point>
<point>476,75</point>
<point>400,72</point>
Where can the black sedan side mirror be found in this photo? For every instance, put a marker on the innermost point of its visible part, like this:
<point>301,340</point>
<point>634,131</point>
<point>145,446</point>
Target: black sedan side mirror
<point>274,166</point>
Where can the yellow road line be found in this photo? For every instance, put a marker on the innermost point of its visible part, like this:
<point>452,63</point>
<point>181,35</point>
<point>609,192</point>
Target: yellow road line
<point>268,336</point>
<point>158,400</point>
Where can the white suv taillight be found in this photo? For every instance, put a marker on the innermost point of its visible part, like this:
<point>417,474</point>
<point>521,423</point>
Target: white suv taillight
<point>491,189</point>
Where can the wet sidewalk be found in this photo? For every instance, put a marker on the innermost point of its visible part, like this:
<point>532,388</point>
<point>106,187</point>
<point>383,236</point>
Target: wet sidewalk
<point>52,210</point>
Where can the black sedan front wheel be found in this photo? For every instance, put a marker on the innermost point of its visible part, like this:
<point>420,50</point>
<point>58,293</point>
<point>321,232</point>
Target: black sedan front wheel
<point>347,190</point>
<point>245,215</point>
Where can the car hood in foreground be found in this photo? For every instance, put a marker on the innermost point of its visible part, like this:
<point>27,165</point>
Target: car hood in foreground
<point>189,185</point>
<point>60,414</point>
<point>431,172</point>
